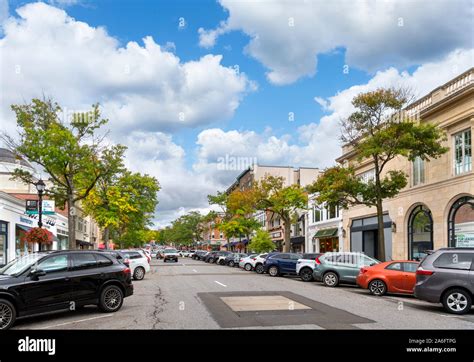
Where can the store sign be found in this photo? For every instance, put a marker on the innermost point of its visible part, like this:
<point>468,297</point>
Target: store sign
<point>31,206</point>
<point>48,207</point>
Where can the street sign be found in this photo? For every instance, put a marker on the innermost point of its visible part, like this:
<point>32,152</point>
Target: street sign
<point>32,207</point>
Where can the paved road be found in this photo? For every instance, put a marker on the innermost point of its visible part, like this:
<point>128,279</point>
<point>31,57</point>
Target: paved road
<point>190,294</point>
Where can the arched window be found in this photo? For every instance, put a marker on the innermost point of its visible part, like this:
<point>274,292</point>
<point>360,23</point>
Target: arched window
<point>420,232</point>
<point>461,223</point>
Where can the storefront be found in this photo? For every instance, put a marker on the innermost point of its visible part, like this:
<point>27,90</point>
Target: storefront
<point>327,239</point>
<point>297,244</point>
<point>364,236</point>
<point>461,223</point>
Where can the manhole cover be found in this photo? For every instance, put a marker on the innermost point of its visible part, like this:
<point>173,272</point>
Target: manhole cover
<point>262,303</point>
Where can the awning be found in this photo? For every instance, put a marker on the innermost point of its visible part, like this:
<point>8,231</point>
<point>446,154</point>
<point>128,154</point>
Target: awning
<point>326,233</point>
<point>297,240</point>
<point>83,243</point>
<point>24,228</point>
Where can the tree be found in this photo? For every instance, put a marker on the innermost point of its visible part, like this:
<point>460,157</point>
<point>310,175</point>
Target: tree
<point>261,242</point>
<point>271,195</point>
<point>379,130</point>
<point>74,157</point>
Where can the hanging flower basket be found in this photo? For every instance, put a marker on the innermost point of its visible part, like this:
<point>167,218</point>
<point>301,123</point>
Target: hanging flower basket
<point>38,235</point>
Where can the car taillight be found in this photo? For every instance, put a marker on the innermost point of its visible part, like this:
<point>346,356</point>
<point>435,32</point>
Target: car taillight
<point>424,272</point>
<point>254,258</point>
<point>127,271</point>
<point>317,261</point>
<point>363,270</point>
<point>241,260</point>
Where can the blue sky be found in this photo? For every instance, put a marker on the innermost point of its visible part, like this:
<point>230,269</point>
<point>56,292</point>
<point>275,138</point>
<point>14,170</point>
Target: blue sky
<point>291,57</point>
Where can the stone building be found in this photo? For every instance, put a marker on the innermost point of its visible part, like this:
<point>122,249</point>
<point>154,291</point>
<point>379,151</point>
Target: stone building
<point>436,208</point>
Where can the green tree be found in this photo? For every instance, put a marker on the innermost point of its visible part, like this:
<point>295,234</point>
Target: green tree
<point>261,242</point>
<point>272,195</point>
<point>378,131</point>
<point>72,153</point>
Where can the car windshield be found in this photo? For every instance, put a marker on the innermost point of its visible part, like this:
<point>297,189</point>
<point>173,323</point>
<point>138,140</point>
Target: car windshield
<point>169,251</point>
<point>19,265</point>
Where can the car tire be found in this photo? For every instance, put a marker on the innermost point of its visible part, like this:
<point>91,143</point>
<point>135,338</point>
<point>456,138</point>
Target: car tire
<point>231,263</point>
<point>7,314</point>
<point>111,299</point>
<point>273,271</point>
<point>222,262</point>
<point>259,269</point>
<point>377,287</point>
<point>164,260</point>
<point>457,301</point>
<point>248,267</point>
<point>306,274</point>
<point>139,273</point>
<point>330,279</point>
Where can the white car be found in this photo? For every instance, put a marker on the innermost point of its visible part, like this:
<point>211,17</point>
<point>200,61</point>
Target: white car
<point>247,262</point>
<point>170,254</point>
<point>138,262</point>
<point>257,263</point>
<point>305,266</point>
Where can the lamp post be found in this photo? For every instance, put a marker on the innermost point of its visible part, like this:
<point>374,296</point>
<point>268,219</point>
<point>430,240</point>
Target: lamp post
<point>40,186</point>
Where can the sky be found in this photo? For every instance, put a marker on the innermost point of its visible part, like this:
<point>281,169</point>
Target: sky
<point>199,89</point>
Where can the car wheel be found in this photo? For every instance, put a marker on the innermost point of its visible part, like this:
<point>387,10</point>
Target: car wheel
<point>330,279</point>
<point>377,287</point>
<point>211,260</point>
<point>259,269</point>
<point>457,301</point>
<point>7,314</point>
<point>306,274</point>
<point>111,299</point>
<point>139,273</point>
<point>273,271</point>
<point>222,262</point>
<point>231,263</point>
<point>248,267</point>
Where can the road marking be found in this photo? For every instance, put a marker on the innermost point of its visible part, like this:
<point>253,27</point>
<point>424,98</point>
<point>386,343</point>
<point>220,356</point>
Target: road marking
<point>183,264</point>
<point>78,321</point>
<point>220,283</point>
<point>194,270</point>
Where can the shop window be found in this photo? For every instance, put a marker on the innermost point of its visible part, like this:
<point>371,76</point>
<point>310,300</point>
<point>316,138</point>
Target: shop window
<point>420,232</point>
<point>418,172</point>
<point>461,223</point>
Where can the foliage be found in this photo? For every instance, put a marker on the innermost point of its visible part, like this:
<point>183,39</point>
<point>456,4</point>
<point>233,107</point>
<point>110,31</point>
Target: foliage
<point>261,242</point>
<point>72,154</point>
<point>378,131</point>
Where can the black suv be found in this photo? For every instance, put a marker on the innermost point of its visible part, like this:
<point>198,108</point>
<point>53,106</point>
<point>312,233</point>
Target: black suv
<point>52,281</point>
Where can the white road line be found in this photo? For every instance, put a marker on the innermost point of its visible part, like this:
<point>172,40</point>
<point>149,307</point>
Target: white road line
<point>220,283</point>
<point>194,270</point>
<point>78,321</point>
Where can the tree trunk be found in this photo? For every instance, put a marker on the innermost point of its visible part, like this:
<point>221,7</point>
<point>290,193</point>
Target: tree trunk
<point>71,222</point>
<point>381,236</point>
<point>106,237</point>
<point>287,235</point>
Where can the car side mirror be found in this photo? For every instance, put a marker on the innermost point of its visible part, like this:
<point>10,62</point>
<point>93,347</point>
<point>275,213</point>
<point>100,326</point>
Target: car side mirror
<point>36,273</point>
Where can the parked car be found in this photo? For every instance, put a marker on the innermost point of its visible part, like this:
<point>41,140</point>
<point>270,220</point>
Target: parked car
<point>190,253</point>
<point>305,266</point>
<point>246,262</point>
<point>203,255</point>
<point>43,282</point>
<point>160,254</point>
<point>341,267</point>
<point>211,257</point>
<point>197,254</point>
<point>116,254</point>
<point>153,254</point>
<point>220,257</point>
<point>281,263</point>
<point>170,254</point>
<point>234,258</point>
<point>388,277</point>
<point>258,261</point>
<point>447,276</point>
<point>139,263</point>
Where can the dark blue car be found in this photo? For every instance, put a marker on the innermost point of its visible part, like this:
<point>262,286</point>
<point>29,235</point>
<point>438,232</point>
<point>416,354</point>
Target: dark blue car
<point>281,263</point>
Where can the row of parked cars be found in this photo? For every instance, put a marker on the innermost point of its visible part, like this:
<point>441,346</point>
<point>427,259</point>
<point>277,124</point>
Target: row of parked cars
<point>44,282</point>
<point>443,276</point>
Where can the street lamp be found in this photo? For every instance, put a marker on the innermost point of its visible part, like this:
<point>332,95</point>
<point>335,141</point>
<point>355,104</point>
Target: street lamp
<point>40,186</point>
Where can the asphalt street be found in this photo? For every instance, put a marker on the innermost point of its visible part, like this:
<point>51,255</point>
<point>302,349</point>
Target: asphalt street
<point>196,295</point>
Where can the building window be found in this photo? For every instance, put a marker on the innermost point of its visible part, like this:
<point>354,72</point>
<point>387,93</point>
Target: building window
<point>317,214</point>
<point>333,212</point>
<point>368,176</point>
<point>461,223</point>
<point>462,152</point>
<point>420,233</point>
<point>418,175</point>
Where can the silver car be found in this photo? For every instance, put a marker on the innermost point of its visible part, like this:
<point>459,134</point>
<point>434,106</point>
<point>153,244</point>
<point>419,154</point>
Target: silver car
<point>447,276</point>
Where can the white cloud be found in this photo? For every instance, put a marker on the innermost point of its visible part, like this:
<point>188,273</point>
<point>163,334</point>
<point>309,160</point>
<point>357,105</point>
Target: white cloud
<point>376,34</point>
<point>45,51</point>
